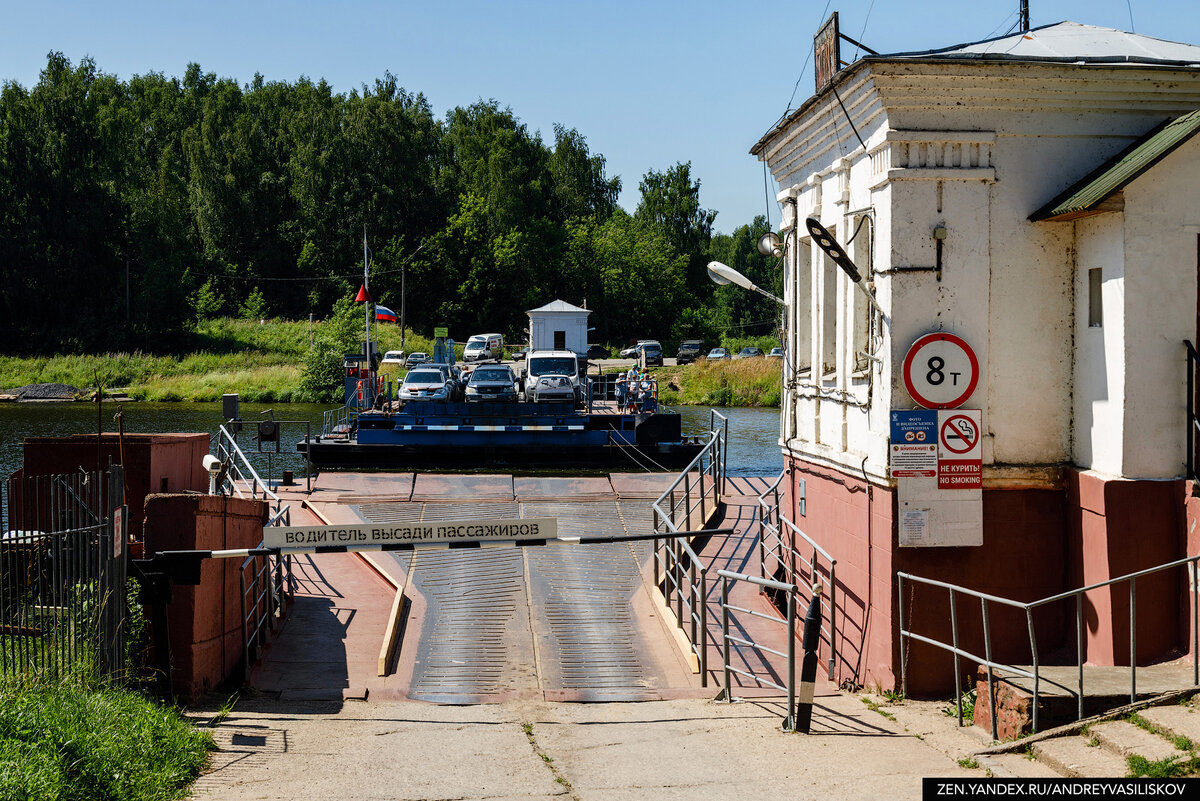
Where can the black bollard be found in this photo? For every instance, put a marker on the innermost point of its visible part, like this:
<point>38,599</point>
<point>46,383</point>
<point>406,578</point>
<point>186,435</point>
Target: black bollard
<point>808,667</point>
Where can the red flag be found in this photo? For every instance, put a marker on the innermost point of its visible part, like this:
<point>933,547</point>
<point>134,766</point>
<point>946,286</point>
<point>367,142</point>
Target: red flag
<point>362,295</point>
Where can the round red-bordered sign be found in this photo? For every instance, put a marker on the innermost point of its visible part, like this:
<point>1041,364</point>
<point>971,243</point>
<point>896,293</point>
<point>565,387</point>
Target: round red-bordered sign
<point>940,371</point>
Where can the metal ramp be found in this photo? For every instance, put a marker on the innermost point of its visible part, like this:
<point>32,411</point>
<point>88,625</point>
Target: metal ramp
<point>565,621</point>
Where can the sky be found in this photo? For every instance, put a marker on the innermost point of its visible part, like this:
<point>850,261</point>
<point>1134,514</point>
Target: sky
<point>648,84</point>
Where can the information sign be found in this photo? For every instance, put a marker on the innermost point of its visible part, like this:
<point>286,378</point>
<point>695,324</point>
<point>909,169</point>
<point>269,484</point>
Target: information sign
<point>914,443</point>
<point>960,453</point>
<point>457,531</point>
<point>940,371</point>
<point>441,331</point>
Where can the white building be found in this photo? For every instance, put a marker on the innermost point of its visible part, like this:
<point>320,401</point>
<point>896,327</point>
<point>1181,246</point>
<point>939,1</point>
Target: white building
<point>559,326</point>
<point>1022,194</point>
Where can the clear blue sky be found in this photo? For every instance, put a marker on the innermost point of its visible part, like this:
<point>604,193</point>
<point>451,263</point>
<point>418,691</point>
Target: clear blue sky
<point>647,83</point>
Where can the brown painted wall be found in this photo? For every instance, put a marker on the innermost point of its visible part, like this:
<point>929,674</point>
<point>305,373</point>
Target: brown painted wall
<point>204,621</point>
<point>150,460</point>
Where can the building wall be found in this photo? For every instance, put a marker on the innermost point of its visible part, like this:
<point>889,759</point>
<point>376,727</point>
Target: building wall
<point>1162,226</point>
<point>1099,397</point>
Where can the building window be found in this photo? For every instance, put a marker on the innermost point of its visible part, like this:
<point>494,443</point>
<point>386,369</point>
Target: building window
<point>1095,298</point>
<point>863,233</point>
<point>829,312</point>
<point>801,301</point>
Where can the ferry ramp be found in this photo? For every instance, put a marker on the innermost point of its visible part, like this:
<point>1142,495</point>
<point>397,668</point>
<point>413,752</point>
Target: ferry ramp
<point>560,622</point>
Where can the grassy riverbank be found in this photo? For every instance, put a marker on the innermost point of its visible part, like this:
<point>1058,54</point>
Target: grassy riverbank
<point>263,363</point>
<point>742,382</point>
<point>69,741</point>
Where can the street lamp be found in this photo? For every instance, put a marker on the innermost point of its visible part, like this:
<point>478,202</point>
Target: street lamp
<point>724,274</point>
<point>833,250</point>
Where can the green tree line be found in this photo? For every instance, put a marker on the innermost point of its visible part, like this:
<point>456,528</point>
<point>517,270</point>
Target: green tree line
<point>130,210</point>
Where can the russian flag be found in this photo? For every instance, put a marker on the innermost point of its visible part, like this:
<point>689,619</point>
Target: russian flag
<point>385,314</point>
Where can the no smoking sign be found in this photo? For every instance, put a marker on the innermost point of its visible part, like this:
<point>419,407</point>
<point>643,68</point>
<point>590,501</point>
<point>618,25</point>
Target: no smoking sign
<point>960,453</point>
<point>940,371</point>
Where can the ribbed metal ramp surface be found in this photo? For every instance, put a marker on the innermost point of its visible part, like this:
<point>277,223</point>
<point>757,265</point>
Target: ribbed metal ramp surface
<point>557,618</point>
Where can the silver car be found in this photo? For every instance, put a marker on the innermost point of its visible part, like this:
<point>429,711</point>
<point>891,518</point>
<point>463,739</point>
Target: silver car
<point>424,384</point>
<point>553,388</point>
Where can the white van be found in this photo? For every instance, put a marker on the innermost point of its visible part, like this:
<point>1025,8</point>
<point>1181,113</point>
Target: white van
<point>483,346</point>
<point>545,364</point>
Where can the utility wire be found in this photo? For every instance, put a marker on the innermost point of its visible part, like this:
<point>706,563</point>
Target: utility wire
<point>1129,5</point>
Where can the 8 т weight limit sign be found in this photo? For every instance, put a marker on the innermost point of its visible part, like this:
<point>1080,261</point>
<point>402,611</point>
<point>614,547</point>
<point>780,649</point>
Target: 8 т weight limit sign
<point>940,371</point>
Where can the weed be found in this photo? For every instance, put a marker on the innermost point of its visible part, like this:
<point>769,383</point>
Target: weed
<point>967,702</point>
<point>875,707</point>
<point>1168,768</point>
<point>892,696</point>
<point>224,711</point>
<point>968,762</point>
<point>1093,742</point>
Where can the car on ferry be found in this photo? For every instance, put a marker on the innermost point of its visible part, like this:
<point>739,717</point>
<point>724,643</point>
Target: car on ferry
<point>552,388</point>
<point>545,363</point>
<point>427,383</point>
<point>493,383</point>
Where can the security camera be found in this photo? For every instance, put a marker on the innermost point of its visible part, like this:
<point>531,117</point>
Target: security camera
<point>211,463</point>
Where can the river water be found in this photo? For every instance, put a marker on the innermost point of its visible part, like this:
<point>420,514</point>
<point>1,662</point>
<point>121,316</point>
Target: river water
<point>753,433</point>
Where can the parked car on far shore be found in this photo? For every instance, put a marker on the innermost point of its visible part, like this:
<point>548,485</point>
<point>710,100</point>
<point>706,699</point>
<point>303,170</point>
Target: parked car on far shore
<point>415,358</point>
<point>689,351</point>
<point>748,353</point>
<point>717,354</point>
<point>394,357</point>
<point>775,353</point>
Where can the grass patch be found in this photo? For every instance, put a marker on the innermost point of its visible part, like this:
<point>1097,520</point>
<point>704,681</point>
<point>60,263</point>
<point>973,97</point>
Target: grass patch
<point>742,382</point>
<point>968,762</point>
<point>876,707</point>
<point>69,741</point>
<point>1169,768</point>
<point>968,707</point>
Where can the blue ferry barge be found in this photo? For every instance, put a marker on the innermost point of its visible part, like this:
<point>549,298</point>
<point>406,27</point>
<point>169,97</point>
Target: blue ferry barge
<point>373,431</point>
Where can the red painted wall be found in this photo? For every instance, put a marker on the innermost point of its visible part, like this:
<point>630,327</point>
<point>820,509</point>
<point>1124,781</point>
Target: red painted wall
<point>204,621</point>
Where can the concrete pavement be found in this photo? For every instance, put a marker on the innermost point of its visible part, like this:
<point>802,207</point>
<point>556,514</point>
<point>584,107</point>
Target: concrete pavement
<point>678,749</point>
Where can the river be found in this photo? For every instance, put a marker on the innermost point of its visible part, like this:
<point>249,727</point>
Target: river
<point>753,433</point>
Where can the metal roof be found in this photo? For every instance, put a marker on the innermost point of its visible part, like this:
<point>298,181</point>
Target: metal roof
<point>1087,196</point>
<point>1067,42</point>
<point>559,306</point>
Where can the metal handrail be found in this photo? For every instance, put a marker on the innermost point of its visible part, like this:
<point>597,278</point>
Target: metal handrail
<point>727,639</point>
<point>678,570</point>
<point>1078,594</point>
<point>229,451</point>
<point>789,560</point>
<point>267,586</point>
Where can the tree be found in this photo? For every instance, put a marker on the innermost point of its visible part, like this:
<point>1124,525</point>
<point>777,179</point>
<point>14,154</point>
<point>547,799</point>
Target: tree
<point>670,204</point>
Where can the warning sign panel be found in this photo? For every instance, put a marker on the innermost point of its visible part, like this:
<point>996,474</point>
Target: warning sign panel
<point>914,443</point>
<point>960,454</point>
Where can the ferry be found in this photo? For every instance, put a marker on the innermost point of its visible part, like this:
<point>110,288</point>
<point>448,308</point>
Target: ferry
<point>371,430</point>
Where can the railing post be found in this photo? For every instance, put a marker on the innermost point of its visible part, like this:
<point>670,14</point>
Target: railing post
<point>687,481</point>
<point>245,634</point>
<point>903,645</point>
<point>1079,648</point>
<point>1133,640</point>
<point>832,619</point>
<point>703,626</point>
<point>791,657</point>
<point>725,633</point>
<point>1195,628</point>
<point>1037,676</point>
<point>987,652</point>
<point>954,641</point>
<point>1191,409</point>
<point>691,580</point>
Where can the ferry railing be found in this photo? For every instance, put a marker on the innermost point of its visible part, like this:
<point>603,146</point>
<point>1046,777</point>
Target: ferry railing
<point>1192,563</point>
<point>336,422</point>
<point>266,587</point>
<point>266,582</point>
<point>809,565</point>
<point>678,570</point>
<point>729,640</point>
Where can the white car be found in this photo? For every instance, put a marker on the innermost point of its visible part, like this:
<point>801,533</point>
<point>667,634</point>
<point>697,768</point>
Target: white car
<point>553,388</point>
<point>394,357</point>
<point>426,383</point>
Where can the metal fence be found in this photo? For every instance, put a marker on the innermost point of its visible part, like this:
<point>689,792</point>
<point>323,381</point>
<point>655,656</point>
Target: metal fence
<point>791,556</point>
<point>729,641</point>
<point>63,604</point>
<point>678,570</point>
<point>1192,368</point>
<point>1191,563</point>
